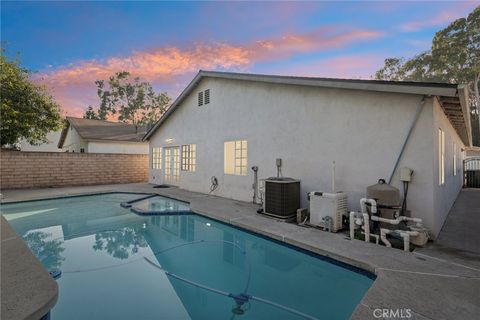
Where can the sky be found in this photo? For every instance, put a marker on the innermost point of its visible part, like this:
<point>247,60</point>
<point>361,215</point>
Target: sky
<point>70,44</point>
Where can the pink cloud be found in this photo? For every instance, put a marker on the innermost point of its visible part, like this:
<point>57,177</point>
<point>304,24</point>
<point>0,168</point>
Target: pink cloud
<point>170,67</point>
<point>344,67</point>
<point>442,18</point>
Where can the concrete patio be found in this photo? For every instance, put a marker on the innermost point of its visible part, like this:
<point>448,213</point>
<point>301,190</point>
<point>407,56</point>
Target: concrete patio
<point>431,283</point>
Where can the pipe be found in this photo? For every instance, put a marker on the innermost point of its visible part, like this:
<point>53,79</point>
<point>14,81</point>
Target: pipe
<point>415,119</point>
<point>363,205</point>
<point>376,236</point>
<point>352,225</point>
<point>366,227</point>
<point>396,221</point>
<point>406,238</point>
<point>383,236</point>
<point>255,184</point>
<point>333,177</point>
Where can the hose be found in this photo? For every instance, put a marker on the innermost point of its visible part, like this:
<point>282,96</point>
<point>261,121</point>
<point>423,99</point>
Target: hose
<point>214,184</point>
<point>240,298</point>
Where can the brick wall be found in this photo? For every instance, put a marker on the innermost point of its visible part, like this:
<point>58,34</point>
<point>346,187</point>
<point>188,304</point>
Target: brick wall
<point>19,169</point>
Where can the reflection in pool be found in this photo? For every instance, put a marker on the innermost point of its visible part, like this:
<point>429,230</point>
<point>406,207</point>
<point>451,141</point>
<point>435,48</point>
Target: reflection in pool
<point>101,249</point>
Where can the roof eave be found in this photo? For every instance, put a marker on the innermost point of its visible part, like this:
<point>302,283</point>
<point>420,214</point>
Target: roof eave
<point>63,134</point>
<point>463,97</point>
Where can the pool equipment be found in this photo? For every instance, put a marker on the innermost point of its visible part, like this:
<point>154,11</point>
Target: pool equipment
<point>282,197</point>
<point>415,233</point>
<point>387,199</point>
<point>55,273</point>
<point>240,299</point>
<point>327,209</point>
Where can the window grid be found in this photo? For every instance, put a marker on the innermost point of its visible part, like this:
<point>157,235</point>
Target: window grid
<point>189,157</point>
<point>157,158</point>
<point>241,157</point>
<point>176,164</point>
<point>168,169</point>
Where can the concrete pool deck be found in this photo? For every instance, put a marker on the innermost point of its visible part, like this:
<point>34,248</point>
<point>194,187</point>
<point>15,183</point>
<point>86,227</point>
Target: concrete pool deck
<point>415,284</point>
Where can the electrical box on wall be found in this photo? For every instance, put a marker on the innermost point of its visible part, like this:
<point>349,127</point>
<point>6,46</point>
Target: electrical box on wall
<point>406,174</point>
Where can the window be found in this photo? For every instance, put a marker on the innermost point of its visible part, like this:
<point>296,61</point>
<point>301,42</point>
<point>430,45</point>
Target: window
<point>441,157</point>
<point>454,151</point>
<point>82,150</point>
<point>156,158</point>
<point>207,96</point>
<point>235,157</point>
<point>189,157</point>
<point>200,98</point>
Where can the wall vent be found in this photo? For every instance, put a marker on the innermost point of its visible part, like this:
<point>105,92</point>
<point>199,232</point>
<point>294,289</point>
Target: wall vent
<point>200,98</point>
<point>207,96</point>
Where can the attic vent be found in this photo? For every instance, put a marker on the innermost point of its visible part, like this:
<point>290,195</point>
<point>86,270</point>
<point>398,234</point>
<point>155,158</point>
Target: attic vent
<point>207,96</point>
<point>200,98</point>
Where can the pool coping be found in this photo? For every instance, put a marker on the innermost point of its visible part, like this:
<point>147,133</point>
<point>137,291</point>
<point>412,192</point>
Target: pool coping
<point>28,291</point>
<point>430,288</point>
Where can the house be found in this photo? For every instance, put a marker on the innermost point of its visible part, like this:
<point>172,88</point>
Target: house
<point>99,136</point>
<point>51,145</point>
<point>224,123</point>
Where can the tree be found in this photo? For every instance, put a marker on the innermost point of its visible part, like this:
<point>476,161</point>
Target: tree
<point>453,58</point>
<point>27,111</point>
<point>90,114</point>
<point>131,100</point>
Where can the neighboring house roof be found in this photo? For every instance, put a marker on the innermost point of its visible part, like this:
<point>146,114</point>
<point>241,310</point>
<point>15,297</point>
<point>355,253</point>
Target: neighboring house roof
<point>100,130</point>
<point>452,97</point>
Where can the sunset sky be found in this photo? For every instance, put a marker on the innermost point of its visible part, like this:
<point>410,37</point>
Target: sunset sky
<point>71,44</point>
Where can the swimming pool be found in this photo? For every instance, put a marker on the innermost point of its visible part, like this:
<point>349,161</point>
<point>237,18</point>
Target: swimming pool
<point>119,265</point>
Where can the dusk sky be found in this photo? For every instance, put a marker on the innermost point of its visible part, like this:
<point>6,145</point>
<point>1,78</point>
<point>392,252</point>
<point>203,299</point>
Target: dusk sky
<point>71,44</point>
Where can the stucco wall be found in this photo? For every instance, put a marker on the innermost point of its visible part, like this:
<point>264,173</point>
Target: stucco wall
<point>50,146</point>
<point>308,128</point>
<point>52,169</point>
<point>73,142</point>
<point>445,195</point>
<point>117,147</point>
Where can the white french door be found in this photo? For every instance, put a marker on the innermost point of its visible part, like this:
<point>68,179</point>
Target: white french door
<point>172,165</point>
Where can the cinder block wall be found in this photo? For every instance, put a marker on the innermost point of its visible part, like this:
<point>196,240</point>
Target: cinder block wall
<point>19,169</point>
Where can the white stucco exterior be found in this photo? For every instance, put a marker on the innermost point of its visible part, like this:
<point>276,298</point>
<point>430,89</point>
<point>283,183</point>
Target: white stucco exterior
<point>74,143</point>
<point>50,146</point>
<point>308,128</point>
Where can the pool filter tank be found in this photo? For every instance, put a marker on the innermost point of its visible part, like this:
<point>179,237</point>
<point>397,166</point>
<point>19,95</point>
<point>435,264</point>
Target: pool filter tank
<point>387,198</point>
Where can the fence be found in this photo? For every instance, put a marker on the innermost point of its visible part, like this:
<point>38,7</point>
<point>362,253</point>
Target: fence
<point>19,169</point>
<point>471,172</point>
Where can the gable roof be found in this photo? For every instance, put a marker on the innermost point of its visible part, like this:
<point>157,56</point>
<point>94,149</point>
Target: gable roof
<point>90,130</point>
<point>452,97</point>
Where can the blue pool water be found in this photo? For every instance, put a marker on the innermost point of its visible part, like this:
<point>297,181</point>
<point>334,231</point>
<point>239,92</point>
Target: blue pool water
<point>101,248</point>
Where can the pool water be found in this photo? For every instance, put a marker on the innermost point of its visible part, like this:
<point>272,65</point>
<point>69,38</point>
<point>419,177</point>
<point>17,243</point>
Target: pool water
<point>101,248</point>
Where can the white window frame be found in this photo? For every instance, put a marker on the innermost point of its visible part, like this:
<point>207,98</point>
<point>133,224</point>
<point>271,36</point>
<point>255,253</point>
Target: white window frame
<point>157,158</point>
<point>454,159</point>
<point>236,157</point>
<point>189,157</point>
<point>441,157</point>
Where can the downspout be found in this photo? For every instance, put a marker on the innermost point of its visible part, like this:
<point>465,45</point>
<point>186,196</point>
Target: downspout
<point>414,122</point>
